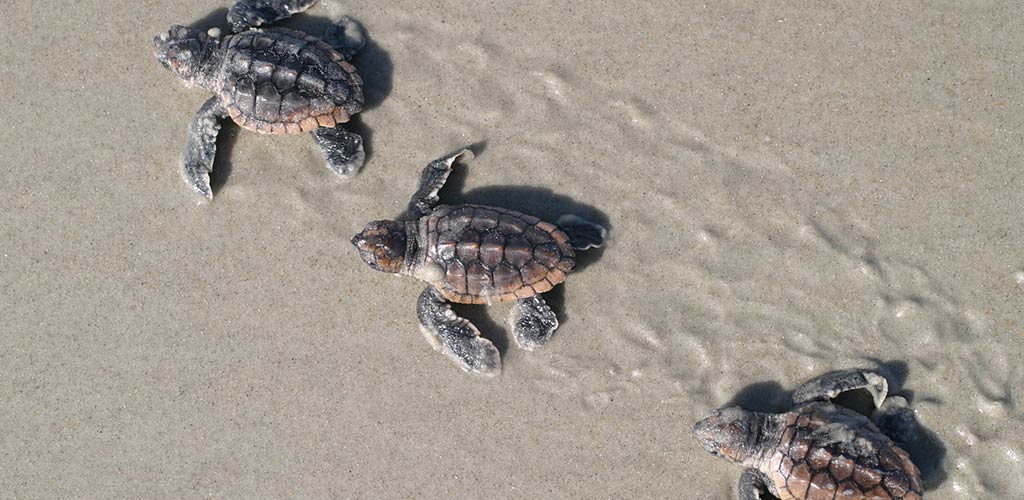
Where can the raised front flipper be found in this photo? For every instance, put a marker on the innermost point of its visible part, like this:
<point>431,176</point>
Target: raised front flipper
<point>245,14</point>
<point>202,145</point>
<point>830,385</point>
<point>532,322</point>
<point>431,181</point>
<point>753,484</point>
<point>456,336</point>
<point>346,36</point>
<point>342,149</point>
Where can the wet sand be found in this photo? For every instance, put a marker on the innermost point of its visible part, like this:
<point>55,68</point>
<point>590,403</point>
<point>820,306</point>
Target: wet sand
<point>790,190</point>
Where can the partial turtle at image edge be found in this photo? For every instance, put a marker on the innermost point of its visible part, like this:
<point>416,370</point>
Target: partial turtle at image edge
<point>819,450</point>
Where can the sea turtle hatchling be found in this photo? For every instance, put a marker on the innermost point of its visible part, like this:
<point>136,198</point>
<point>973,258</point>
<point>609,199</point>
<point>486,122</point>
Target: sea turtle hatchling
<point>473,254</point>
<point>273,81</point>
<point>819,450</point>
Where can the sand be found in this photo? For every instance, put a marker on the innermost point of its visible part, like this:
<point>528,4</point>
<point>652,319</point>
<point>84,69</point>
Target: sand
<point>791,191</point>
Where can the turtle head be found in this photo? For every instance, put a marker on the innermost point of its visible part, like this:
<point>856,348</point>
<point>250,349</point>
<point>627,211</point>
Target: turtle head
<point>187,52</point>
<point>729,433</point>
<point>382,245</point>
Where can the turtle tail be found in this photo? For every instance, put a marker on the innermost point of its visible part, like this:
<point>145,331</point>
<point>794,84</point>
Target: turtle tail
<point>582,233</point>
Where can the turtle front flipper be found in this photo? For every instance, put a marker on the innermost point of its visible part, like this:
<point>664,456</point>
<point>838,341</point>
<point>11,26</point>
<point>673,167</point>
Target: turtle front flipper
<point>896,420</point>
<point>456,336</point>
<point>582,233</point>
<point>532,322</point>
<point>245,14</point>
<point>346,36</point>
<point>431,181</point>
<point>753,484</point>
<point>342,149</point>
<point>202,145</point>
<point>830,385</point>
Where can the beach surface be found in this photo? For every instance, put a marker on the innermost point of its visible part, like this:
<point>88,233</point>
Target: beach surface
<point>790,189</point>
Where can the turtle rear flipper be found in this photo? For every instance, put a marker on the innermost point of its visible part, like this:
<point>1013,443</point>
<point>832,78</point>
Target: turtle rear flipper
<point>833,384</point>
<point>456,336</point>
<point>202,145</point>
<point>346,36</point>
<point>532,322</point>
<point>245,14</point>
<point>342,149</point>
<point>582,233</point>
<point>896,420</point>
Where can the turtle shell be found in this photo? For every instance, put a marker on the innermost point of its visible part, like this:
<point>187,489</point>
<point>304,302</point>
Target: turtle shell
<point>477,255</point>
<point>281,81</point>
<point>829,452</point>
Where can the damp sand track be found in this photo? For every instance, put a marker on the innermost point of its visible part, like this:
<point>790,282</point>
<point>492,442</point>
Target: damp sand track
<point>791,190</point>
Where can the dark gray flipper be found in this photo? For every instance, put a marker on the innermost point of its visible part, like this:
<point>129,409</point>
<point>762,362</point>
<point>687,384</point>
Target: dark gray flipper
<point>833,384</point>
<point>342,149</point>
<point>202,145</point>
<point>455,336</point>
<point>245,14</point>
<point>346,36</point>
<point>896,420</point>
<point>753,484</point>
<point>431,181</point>
<point>582,233</point>
<point>532,322</point>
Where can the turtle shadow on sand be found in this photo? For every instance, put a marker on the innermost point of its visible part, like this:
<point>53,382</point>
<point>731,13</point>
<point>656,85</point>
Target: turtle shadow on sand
<point>372,62</point>
<point>226,140</point>
<point>218,18</point>
<point>924,446</point>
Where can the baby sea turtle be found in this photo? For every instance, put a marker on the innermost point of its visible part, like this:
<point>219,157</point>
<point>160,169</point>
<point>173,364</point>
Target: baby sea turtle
<point>819,450</point>
<point>273,81</point>
<point>473,254</point>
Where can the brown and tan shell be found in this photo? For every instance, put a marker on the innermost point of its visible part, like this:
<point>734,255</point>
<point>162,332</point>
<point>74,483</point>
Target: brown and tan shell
<point>832,453</point>
<point>477,255</point>
<point>281,81</point>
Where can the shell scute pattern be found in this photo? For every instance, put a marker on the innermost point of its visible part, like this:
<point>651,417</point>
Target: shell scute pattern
<point>282,81</point>
<point>518,250</point>
<point>493,255</point>
<point>455,276</point>
<point>810,463</point>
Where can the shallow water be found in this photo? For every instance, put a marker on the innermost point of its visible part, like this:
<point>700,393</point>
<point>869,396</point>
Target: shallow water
<point>790,191</point>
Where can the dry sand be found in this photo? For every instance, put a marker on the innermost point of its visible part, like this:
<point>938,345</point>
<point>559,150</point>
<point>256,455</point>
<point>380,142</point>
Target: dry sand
<point>791,190</point>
